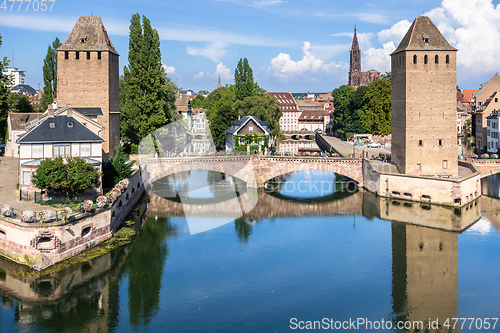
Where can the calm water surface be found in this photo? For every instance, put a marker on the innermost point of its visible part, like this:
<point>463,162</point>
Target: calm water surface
<point>296,254</point>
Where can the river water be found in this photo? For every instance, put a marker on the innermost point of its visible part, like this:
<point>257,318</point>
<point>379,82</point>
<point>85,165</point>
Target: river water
<point>303,255</point>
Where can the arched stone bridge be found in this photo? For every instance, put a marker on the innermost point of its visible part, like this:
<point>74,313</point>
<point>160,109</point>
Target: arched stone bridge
<point>254,170</point>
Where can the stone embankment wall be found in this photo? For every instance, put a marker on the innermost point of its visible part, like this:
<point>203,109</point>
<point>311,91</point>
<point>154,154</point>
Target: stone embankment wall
<point>441,191</point>
<point>27,242</point>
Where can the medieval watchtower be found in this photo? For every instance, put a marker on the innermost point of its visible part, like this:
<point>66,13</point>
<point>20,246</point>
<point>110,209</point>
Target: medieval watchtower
<point>424,135</point>
<point>87,77</point>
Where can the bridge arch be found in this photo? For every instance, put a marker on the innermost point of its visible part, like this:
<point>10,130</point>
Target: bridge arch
<point>255,170</point>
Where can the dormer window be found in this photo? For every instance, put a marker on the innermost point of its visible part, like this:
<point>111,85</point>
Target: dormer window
<point>52,125</point>
<point>83,39</point>
<point>70,124</point>
<point>425,39</point>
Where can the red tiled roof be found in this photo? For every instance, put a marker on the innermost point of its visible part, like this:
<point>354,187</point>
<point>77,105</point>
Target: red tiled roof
<point>285,100</point>
<point>312,115</point>
<point>468,94</point>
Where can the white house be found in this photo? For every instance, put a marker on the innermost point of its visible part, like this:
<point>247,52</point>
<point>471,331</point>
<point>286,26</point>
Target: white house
<point>54,136</point>
<point>492,132</point>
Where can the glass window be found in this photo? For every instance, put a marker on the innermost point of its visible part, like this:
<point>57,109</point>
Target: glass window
<point>85,149</point>
<point>63,150</point>
<point>26,178</point>
<point>37,150</point>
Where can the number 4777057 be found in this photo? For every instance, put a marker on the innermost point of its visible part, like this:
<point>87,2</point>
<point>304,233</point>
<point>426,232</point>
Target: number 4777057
<point>34,5</point>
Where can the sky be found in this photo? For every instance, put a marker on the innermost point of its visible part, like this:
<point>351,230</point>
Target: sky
<point>291,45</point>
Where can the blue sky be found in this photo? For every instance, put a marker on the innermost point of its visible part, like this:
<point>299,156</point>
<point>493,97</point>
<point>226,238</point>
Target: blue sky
<point>292,45</point>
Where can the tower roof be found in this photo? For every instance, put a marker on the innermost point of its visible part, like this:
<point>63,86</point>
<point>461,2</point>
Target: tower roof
<point>423,35</point>
<point>88,34</point>
<point>355,44</point>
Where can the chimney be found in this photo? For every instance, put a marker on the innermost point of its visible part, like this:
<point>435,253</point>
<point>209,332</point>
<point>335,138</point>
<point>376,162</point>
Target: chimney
<point>69,112</point>
<point>50,111</point>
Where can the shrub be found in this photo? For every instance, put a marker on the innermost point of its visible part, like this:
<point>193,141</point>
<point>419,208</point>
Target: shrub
<point>87,205</point>
<point>7,211</point>
<point>45,216</point>
<point>27,216</point>
<point>66,213</point>
<point>101,201</point>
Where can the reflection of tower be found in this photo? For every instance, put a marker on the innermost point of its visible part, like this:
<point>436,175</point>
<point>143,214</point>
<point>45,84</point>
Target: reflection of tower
<point>425,274</point>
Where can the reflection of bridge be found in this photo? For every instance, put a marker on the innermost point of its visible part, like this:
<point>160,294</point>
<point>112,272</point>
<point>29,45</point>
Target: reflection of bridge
<point>267,206</point>
<point>254,170</point>
<point>359,203</point>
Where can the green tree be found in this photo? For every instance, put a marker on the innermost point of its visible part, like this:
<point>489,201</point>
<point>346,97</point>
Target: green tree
<point>262,107</point>
<point>198,101</point>
<point>220,112</point>
<point>244,81</point>
<point>50,75</point>
<point>19,103</point>
<point>4,94</point>
<point>376,112</point>
<point>118,168</point>
<point>342,98</point>
<point>148,95</point>
<point>70,178</point>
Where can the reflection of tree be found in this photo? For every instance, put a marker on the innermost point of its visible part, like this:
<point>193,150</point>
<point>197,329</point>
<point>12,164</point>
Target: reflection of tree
<point>243,228</point>
<point>146,265</point>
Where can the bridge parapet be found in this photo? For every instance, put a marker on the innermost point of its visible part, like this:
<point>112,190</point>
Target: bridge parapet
<point>255,170</point>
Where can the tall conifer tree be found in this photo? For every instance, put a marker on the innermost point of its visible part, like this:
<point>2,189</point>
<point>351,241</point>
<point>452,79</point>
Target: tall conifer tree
<point>50,75</point>
<point>243,80</point>
<point>148,101</point>
<point>4,93</point>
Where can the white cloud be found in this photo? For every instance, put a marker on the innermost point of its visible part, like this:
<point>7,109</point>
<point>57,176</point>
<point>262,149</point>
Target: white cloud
<point>268,2</point>
<point>472,26</point>
<point>213,51</point>
<point>199,76</point>
<point>220,70</point>
<point>118,27</point>
<point>170,70</point>
<point>309,68</point>
<point>224,72</point>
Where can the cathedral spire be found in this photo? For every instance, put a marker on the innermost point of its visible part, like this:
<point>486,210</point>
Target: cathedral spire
<point>219,84</point>
<point>355,45</point>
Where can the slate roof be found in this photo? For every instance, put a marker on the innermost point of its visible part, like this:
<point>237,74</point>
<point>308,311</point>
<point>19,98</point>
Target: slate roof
<point>19,121</point>
<point>23,89</point>
<point>61,131</point>
<point>237,124</point>
<point>91,30</point>
<point>423,35</point>
<point>88,111</point>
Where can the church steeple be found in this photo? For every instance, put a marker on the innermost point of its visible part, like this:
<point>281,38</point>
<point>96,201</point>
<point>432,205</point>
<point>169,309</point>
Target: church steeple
<point>355,63</point>
<point>355,45</point>
<point>219,84</point>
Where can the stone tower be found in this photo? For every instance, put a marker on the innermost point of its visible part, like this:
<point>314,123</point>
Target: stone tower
<point>424,72</point>
<point>355,63</point>
<point>87,76</point>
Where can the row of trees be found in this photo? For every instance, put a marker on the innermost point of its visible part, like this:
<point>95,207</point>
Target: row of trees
<point>363,110</point>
